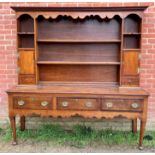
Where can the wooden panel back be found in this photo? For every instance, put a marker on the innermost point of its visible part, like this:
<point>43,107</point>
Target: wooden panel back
<point>79,52</point>
<point>25,41</point>
<point>26,62</point>
<point>130,63</point>
<point>132,42</point>
<point>132,24</point>
<point>64,28</point>
<point>26,23</point>
<point>82,73</point>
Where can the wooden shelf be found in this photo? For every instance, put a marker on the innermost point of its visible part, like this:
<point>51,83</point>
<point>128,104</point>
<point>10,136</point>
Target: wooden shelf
<point>132,33</point>
<point>26,33</point>
<point>77,63</point>
<point>26,49</point>
<point>131,49</point>
<point>78,41</point>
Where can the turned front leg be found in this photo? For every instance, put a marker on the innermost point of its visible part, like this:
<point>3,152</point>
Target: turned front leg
<point>134,125</point>
<point>142,129</point>
<point>13,127</point>
<point>22,123</point>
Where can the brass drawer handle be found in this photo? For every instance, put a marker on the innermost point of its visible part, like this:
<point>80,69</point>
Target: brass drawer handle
<point>134,105</point>
<point>89,104</point>
<point>109,104</point>
<point>44,103</point>
<point>21,102</point>
<point>65,104</point>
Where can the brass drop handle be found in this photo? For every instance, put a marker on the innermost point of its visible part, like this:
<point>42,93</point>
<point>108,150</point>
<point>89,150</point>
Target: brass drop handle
<point>109,104</point>
<point>65,104</point>
<point>134,105</point>
<point>89,104</point>
<point>21,102</point>
<point>44,103</point>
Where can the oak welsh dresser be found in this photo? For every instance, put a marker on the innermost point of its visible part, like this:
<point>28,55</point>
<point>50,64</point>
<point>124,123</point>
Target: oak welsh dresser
<point>80,61</point>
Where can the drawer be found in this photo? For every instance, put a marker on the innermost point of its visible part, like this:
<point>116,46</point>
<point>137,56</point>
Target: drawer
<point>34,103</point>
<point>64,103</point>
<point>122,104</point>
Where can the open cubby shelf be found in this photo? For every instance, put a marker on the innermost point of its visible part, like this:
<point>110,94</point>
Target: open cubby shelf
<point>132,24</point>
<point>78,52</point>
<point>73,73</point>
<point>25,32</point>
<point>131,41</point>
<point>66,29</point>
<point>25,23</point>
<point>26,41</point>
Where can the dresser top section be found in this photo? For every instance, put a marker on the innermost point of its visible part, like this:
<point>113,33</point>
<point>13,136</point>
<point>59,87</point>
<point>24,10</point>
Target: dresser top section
<point>80,12</point>
<point>79,89</point>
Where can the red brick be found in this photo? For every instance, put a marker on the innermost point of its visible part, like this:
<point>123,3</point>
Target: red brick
<point>146,3</point>
<point>130,4</point>
<point>54,4</point>
<point>68,4</point>
<point>148,25</point>
<point>100,4</point>
<point>151,40</point>
<point>115,4</point>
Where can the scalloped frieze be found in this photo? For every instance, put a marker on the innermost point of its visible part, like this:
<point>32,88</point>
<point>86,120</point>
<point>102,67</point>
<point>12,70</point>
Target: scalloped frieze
<point>81,15</point>
<point>84,114</point>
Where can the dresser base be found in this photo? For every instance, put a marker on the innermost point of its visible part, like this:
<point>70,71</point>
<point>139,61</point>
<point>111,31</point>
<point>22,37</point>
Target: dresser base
<point>86,102</point>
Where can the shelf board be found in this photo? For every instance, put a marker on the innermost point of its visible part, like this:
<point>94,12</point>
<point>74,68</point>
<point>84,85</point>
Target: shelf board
<point>26,49</point>
<point>26,33</point>
<point>78,41</point>
<point>131,34</point>
<point>77,63</point>
<point>131,49</point>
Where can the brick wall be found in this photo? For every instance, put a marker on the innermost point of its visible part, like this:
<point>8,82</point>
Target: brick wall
<point>8,75</point>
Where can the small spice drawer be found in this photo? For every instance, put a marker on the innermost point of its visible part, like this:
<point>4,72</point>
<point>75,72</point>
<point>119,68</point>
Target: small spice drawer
<point>122,104</point>
<point>64,103</point>
<point>34,103</point>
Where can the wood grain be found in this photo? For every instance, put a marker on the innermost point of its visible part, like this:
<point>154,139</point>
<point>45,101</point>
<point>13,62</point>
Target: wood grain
<point>26,62</point>
<point>79,73</point>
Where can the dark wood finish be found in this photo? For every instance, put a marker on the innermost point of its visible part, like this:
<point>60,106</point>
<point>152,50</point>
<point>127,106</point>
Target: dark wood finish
<point>79,9</point>
<point>22,123</point>
<point>26,62</point>
<point>142,129</point>
<point>27,79</point>
<point>122,104</point>
<point>32,102</point>
<point>108,52</point>
<point>77,103</point>
<point>85,73</point>
<point>65,29</point>
<point>79,61</point>
<point>130,81</point>
<point>25,24</point>
<point>26,41</point>
<point>134,125</point>
<point>132,24</point>
<point>13,126</point>
<point>131,63</point>
<point>131,41</point>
